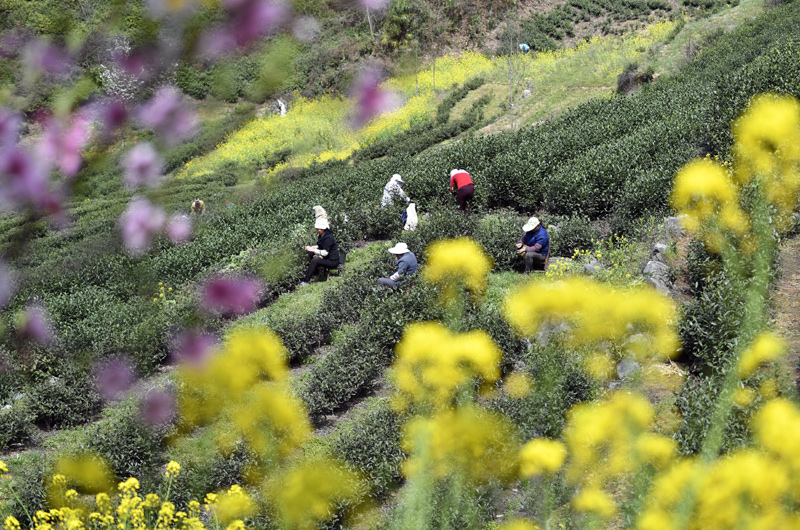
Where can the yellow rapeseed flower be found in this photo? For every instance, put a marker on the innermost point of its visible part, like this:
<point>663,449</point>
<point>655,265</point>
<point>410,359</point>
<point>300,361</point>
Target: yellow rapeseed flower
<point>518,524</point>
<point>479,445</point>
<point>90,473</point>
<point>453,262</point>
<point>308,493</point>
<point>596,501</point>
<point>517,385</point>
<point>3,468</point>
<point>11,523</point>
<point>597,313</point>
<point>766,347</point>
<point>541,456</point>
<point>433,364</point>
<point>234,504</point>
<point>173,469</point>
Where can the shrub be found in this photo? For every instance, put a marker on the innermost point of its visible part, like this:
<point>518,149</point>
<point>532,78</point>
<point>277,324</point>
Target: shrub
<point>29,476</point>
<point>192,81</point>
<point>16,424</point>
<point>571,233</point>
<point>498,232</point>
<point>66,399</point>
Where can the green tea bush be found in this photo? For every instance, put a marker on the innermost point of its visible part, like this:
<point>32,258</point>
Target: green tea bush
<point>30,475</point>
<point>371,444</point>
<point>498,232</point>
<point>192,81</point>
<point>572,233</point>
<point>16,424</point>
<point>64,399</point>
<point>131,448</point>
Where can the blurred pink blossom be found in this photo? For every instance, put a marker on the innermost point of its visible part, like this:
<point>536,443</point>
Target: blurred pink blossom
<point>10,43</point>
<point>114,377</point>
<point>168,115</point>
<point>7,283</point>
<point>194,348</point>
<point>140,222</point>
<point>34,324</point>
<point>112,113</point>
<point>143,166</point>
<point>179,228</point>
<point>232,296</point>
<point>23,181</point>
<point>370,98</point>
<point>9,127</point>
<point>158,408</point>
<point>250,20</point>
<point>62,146</point>
<point>41,56</point>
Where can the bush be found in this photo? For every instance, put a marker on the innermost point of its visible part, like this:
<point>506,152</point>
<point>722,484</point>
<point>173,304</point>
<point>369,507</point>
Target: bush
<point>572,233</point>
<point>16,424</point>
<point>64,400</point>
<point>498,232</point>
<point>371,444</point>
<point>29,476</point>
<point>192,81</point>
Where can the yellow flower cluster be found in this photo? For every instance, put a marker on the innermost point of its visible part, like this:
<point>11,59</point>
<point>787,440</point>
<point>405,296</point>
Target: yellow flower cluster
<point>541,456</point>
<point>310,491</point>
<point>233,504</point>
<point>767,150</point>
<point>638,319</point>
<point>477,444</point>
<point>433,365</point>
<point>454,262</point>
<point>518,524</point>
<point>705,193</point>
<point>173,469</point>
<point>766,347</point>
<point>751,488</point>
<point>607,440</point>
<point>767,146</point>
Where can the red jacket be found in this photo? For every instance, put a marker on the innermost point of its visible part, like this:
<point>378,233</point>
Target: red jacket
<point>460,180</point>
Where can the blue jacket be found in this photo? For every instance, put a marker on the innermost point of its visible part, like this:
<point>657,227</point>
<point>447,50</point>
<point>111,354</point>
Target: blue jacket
<point>540,237</point>
<point>406,266</point>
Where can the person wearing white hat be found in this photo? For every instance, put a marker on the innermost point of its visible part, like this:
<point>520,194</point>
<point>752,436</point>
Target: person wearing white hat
<point>325,253</point>
<point>461,183</point>
<point>406,266</point>
<point>534,245</point>
<point>393,189</point>
<point>319,212</point>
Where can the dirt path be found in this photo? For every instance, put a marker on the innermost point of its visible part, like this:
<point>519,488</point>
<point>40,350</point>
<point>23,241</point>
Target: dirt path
<point>786,303</point>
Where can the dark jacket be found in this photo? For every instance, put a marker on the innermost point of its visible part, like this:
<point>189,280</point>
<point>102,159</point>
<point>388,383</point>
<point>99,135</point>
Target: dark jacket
<point>326,242</point>
<point>538,241</point>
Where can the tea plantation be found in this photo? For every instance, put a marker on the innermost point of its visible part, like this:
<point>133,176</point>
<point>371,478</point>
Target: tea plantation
<point>599,172</point>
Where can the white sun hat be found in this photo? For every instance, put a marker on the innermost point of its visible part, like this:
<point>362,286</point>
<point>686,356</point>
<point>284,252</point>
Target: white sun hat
<point>398,178</point>
<point>321,224</point>
<point>532,223</point>
<point>400,248</point>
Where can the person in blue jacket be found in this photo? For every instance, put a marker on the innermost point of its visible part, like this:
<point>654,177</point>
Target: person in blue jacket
<point>406,266</point>
<point>534,245</point>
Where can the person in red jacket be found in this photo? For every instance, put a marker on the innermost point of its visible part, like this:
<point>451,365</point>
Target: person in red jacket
<point>461,184</point>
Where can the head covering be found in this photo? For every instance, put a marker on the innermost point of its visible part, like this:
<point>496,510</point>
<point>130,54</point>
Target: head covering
<point>400,248</point>
<point>398,178</point>
<point>532,223</point>
<point>319,211</point>
<point>457,171</point>
<point>321,224</point>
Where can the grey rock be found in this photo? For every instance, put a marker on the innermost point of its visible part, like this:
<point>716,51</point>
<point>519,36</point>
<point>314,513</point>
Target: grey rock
<point>550,331</point>
<point>659,249</point>
<point>672,225</point>
<point>526,93</point>
<point>627,367</point>
<point>593,268</point>
<point>7,407</point>
<point>614,385</point>
<point>659,284</point>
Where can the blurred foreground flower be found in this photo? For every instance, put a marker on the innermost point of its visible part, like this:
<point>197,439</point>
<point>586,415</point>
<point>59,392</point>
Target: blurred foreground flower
<point>169,115</point>
<point>23,181</point>
<point>34,324</point>
<point>433,365</point>
<point>143,166</point>
<point>194,348</point>
<point>141,221</point>
<point>88,473</point>
<point>310,492</point>
<point>9,128</point>
<point>158,408</point>
<point>766,347</point>
<point>479,445</point>
<point>250,20</point>
<point>232,296</point>
<point>41,57</point>
<point>114,377</point>
<point>639,320</point>
<point>61,144</point>
<point>179,228</point>
<point>541,456</point>
<point>452,262</point>
<point>370,98</point>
